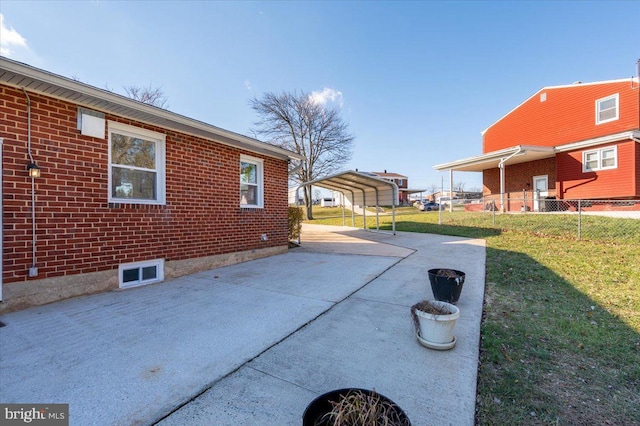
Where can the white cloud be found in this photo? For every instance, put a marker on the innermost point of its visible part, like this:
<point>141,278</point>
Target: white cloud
<point>247,84</point>
<point>10,39</point>
<point>327,95</point>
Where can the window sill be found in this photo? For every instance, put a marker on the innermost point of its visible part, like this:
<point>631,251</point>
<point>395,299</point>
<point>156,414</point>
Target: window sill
<point>132,205</point>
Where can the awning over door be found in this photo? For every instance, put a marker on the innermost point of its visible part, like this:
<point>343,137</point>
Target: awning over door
<point>492,160</point>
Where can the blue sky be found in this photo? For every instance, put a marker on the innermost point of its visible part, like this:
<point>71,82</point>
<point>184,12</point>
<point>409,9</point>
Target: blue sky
<point>416,81</point>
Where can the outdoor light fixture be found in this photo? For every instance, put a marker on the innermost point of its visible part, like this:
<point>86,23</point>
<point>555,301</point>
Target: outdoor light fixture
<point>34,170</point>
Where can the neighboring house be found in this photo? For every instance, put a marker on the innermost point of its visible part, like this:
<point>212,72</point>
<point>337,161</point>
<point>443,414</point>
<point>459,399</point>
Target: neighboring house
<point>403,185</point>
<point>125,193</point>
<point>578,141</point>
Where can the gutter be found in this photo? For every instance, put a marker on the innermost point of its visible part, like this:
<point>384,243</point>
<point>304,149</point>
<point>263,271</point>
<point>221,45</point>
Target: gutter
<point>165,118</point>
<point>501,167</point>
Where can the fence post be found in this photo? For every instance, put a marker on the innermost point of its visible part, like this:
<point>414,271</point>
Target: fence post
<point>493,211</point>
<point>579,219</point>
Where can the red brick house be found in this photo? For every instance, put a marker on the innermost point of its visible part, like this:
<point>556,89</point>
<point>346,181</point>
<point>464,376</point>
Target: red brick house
<point>401,181</point>
<point>577,141</point>
<point>123,193</point>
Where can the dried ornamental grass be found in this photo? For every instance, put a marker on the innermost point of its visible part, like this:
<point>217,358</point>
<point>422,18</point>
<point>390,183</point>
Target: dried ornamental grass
<point>428,308</point>
<point>447,273</point>
<point>358,408</point>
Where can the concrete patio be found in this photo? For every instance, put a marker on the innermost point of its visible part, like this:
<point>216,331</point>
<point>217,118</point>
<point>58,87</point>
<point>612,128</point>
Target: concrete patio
<point>254,343</point>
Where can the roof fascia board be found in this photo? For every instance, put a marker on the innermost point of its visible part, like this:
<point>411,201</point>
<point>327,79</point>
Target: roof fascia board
<point>598,141</point>
<point>495,155</point>
<point>217,134</point>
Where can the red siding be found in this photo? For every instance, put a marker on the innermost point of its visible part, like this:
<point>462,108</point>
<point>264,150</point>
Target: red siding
<point>636,147</point>
<point>614,183</point>
<point>568,115</point>
<point>78,231</point>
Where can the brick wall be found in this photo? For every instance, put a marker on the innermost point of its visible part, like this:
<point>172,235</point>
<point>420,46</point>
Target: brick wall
<point>78,231</point>
<point>518,175</point>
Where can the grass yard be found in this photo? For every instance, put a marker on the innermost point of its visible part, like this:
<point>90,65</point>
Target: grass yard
<point>560,337</point>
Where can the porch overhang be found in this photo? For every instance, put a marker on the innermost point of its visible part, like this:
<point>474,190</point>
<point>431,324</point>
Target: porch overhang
<point>525,153</point>
<point>513,155</point>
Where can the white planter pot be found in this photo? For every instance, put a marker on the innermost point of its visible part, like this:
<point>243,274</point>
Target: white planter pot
<point>436,331</point>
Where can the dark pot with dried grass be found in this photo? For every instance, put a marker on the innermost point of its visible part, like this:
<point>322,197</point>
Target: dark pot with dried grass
<point>446,284</point>
<point>353,406</point>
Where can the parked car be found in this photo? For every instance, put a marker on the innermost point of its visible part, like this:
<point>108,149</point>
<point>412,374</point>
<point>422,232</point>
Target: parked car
<point>430,206</point>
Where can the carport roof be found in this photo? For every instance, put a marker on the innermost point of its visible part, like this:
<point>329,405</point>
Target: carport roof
<point>359,188</point>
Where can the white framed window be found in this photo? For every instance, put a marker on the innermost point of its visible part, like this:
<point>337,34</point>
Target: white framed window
<point>600,159</point>
<point>607,109</point>
<point>140,273</point>
<point>136,165</point>
<point>251,182</point>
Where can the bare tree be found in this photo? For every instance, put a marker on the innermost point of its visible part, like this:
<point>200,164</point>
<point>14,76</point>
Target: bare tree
<point>149,95</point>
<point>298,123</point>
<point>459,187</point>
<point>433,188</point>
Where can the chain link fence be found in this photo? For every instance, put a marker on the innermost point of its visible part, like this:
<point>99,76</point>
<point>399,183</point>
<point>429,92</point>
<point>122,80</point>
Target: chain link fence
<point>605,220</point>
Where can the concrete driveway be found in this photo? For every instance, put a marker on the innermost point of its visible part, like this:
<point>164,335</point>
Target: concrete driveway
<point>254,343</point>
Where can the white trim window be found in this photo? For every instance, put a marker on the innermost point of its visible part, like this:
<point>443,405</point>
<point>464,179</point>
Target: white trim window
<point>251,182</point>
<point>140,273</point>
<point>607,109</point>
<point>136,165</point>
<point>600,159</point>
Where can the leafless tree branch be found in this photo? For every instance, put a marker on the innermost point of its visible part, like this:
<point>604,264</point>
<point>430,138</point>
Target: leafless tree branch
<point>293,121</point>
<point>149,95</point>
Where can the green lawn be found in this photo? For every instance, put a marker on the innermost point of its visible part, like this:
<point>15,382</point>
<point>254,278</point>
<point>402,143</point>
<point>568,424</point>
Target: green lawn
<point>560,337</point>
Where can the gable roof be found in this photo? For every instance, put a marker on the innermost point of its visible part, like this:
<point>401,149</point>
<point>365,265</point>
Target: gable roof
<point>564,86</point>
<point>389,175</point>
<point>31,79</point>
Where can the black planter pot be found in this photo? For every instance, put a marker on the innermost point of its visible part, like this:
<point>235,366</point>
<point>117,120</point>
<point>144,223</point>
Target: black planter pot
<point>446,289</point>
<point>315,413</point>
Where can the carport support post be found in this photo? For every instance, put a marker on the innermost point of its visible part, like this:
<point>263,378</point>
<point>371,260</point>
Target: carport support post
<point>377,210</point>
<point>364,210</point>
<point>353,208</point>
<point>393,218</point>
<point>501,167</point>
<point>344,220</point>
<point>298,206</point>
<point>450,190</point>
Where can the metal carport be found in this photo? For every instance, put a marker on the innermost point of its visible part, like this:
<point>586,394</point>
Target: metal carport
<point>361,189</point>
